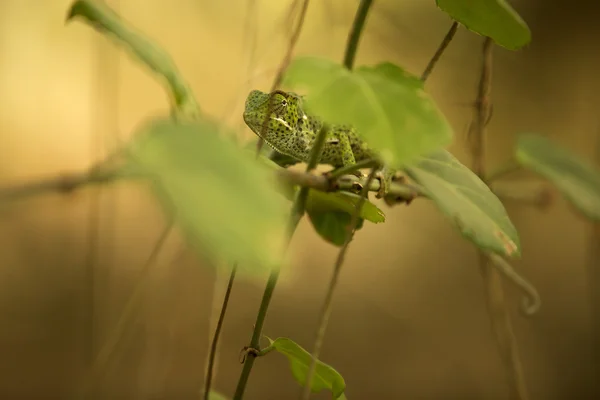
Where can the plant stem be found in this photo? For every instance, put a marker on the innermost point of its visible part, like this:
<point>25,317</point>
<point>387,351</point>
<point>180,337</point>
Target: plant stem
<point>355,32</point>
<point>327,304</point>
<point>499,315</point>
<point>368,163</point>
<point>215,341</point>
<point>296,214</point>
<point>447,39</point>
<point>68,182</point>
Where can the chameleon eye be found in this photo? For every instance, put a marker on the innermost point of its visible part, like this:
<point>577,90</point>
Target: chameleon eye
<point>284,102</point>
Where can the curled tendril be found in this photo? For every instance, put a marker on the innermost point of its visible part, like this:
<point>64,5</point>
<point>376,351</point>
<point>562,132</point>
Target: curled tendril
<point>531,302</point>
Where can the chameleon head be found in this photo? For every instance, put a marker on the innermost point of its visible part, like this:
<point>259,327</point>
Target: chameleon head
<point>281,111</point>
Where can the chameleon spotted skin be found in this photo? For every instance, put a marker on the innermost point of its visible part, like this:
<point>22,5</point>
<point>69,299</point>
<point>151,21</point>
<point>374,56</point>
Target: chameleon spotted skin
<point>292,132</point>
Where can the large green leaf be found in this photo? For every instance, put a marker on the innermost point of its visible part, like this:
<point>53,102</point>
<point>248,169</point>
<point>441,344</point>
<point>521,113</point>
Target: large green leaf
<point>472,207</point>
<point>223,198</point>
<point>577,179</point>
<point>388,106</point>
<point>325,376</point>
<point>101,17</point>
<point>492,18</point>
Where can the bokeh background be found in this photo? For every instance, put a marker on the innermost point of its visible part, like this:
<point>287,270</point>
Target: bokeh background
<point>409,317</point>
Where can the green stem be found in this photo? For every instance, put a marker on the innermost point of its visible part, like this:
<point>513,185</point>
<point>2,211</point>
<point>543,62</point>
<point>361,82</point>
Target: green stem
<point>368,163</point>
<point>296,214</point>
<point>215,341</point>
<point>327,304</point>
<point>447,39</point>
<point>355,32</point>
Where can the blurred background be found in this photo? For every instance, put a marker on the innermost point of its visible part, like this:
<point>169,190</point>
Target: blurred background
<point>409,317</point>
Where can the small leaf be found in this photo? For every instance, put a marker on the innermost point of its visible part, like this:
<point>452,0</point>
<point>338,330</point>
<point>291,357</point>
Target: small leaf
<point>332,226</point>
<point>101,17</point>
<point>473,208</point>
<point>325,376</point>
<point>223,198</point>
<point>577,179</point>
<point>342,201</point>
<point>388,107</point>
<point>495,19</point>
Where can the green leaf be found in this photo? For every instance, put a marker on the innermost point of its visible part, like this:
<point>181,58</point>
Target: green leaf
<point>388,107</point>
<point>495,19</point>
<point>332,226</point>
<point>577,179</point>
<point>102,18</point>
<point>325,376</point>
<point>331,213</point>
<point>473,208</point>
<point>225,200</point>
<point>342,201</point>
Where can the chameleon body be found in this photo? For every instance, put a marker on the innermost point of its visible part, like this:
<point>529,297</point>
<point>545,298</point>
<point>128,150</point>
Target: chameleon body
<point>291,131</point>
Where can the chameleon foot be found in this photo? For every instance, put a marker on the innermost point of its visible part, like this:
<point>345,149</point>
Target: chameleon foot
<point>383,184</point>
<point>391,200</point>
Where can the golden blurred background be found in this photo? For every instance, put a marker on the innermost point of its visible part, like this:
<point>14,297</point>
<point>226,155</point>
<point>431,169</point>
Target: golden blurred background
<point>409,317</point>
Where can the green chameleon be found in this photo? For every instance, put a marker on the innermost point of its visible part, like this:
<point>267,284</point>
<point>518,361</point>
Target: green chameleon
<point>292,132</point>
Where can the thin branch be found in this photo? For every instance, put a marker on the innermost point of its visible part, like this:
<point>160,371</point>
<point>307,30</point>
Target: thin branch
<point>438,54</point>
<point>327,304</point>
<point>215,341</point>
<point>496,304</point>
<point>285,62</point>
<point>296,214</point>
<point>64,184</point>
<point>69,182</point>
<point>356,32</point>
<point>368,163</point>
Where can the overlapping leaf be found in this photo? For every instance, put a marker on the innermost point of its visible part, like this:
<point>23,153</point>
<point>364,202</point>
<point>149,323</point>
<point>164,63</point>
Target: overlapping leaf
<point>225,201</point>
<point>469,203</point>
<point>386,104</point>
<point>493,18</point>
